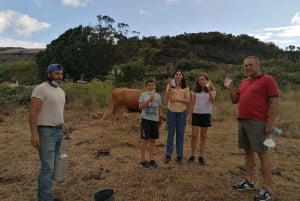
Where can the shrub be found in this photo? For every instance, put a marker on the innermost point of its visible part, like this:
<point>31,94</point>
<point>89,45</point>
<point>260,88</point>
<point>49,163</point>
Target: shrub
<point>94,94</point>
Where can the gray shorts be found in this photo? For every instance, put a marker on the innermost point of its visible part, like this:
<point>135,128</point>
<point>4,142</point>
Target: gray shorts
<point>251,135</point>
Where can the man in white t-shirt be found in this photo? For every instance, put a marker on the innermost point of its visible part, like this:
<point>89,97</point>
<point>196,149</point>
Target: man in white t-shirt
<point>46,125</point>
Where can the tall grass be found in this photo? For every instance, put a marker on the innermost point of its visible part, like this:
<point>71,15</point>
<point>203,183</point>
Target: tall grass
<point>289,113</point>
<point>92,95</point>
<point>288,117</point>
<point>96,95</point>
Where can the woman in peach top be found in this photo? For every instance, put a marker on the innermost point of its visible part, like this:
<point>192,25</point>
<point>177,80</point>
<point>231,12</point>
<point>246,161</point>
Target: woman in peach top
<point>177,98</point>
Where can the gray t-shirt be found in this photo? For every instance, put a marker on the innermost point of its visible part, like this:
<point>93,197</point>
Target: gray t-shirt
<point>151,111</point>
<point>52,109</point>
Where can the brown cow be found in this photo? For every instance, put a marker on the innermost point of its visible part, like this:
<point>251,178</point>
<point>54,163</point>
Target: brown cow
<point>128,99</point>
<point>123,98</point>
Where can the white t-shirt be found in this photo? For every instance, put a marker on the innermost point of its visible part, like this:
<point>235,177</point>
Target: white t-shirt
<point>202,103</point>
<point>52,109</point>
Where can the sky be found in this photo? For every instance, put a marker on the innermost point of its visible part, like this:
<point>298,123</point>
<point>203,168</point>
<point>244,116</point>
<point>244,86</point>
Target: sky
<point>35,23</point>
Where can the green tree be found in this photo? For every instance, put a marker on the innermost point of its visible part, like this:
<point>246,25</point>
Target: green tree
<point>129,74</point>
<point>89,51</point>
<point>71,50</point>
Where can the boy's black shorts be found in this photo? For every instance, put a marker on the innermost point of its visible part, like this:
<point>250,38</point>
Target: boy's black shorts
<point>149,129</point>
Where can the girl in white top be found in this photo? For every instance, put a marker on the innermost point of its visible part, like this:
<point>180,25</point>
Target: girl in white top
<point>203,96</point>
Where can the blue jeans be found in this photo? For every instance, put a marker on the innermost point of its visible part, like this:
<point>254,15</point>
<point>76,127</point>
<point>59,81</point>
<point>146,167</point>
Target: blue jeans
<point>176,123</point>
<point>50,143</point>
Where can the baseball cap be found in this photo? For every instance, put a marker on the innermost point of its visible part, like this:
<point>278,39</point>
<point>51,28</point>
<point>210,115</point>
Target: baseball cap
<point>54,67</point>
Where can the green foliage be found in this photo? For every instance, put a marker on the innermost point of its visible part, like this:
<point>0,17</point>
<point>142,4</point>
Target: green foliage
<point>11,99</point>
<point>285,72</point>
<point>92,51</point>
<point>129,74</point>
<point>92,95</point>
<point>72,50</point>
<point>82,51</point>
<point>204,66</point>
<point>26,72</point>
<point>147,54</point>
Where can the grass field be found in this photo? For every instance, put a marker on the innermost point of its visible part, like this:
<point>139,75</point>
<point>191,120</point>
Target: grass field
<point>87,171</point>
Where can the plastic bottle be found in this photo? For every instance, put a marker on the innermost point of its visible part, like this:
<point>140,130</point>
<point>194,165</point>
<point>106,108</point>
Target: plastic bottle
<point>60,167</point>
<point>173,83</point>
<point>277,131</point>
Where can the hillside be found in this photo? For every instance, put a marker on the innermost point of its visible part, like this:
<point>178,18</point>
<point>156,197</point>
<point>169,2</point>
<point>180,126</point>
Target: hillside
<point>10,54</point>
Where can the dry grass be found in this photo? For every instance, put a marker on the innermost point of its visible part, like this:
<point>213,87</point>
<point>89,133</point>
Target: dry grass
<point>88,173</point>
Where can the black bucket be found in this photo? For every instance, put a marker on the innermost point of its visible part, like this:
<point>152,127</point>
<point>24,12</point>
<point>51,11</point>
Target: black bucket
<point>105,194</point>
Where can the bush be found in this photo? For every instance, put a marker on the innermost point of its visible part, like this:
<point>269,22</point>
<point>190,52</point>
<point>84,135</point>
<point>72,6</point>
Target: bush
<point>95,94</point>
<point>13,98</point>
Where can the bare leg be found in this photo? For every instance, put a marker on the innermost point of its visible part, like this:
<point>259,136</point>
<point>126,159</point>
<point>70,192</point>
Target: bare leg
<point>195,131</point>
<point>144,145</point>
<point>250,165</point>
<point>266,170</point>
<point>203,140</point>
<point>151,148</point>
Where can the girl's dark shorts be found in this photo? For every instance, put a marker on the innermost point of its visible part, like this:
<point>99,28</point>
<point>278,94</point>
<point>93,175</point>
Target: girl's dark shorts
<point>202,120</point>
<point>149,129</point>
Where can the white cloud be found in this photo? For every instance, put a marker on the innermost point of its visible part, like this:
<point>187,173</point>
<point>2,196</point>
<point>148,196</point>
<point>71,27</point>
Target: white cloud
<point>6,18</point>
<point>9,42</point>
<point>288,31</point>
<point>285,32</point>
<point>283,42</point>
<point>276,28</point>
<point>75,3</point>
<point>296,19</point>
<point>25,25</point>
<point>292,31</point>
<point>284,35</point>
<point>262,36</point>
<point>145,13</point>
<point>22,24</point>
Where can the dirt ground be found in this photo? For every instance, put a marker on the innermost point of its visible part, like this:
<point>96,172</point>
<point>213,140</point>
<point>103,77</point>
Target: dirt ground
<point>89,171</point>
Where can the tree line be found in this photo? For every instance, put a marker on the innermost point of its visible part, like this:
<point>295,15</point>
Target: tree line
<point>108,50</point>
